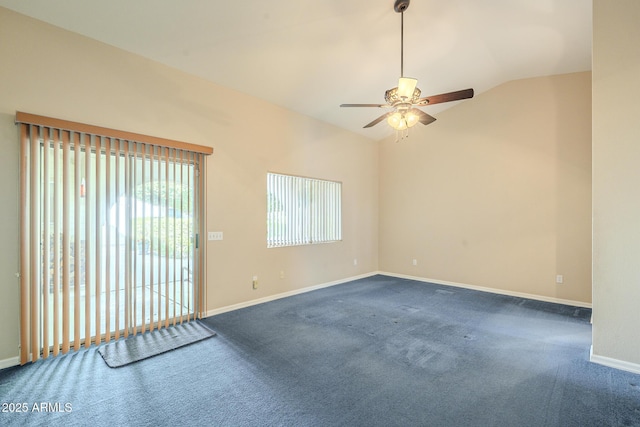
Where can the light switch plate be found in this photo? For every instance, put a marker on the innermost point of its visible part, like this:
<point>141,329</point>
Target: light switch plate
<point>215,235</point>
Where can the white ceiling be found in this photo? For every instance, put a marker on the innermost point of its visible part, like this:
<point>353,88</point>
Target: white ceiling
<point>311,56</point>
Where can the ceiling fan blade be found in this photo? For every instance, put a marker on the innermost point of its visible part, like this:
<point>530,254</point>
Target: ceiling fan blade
<point>424,118</point>
<point>445,97</point>
<point>378,120</point>
<point>366,105</point>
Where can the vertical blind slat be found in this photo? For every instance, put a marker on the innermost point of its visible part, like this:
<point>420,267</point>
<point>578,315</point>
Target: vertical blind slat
<point>191,243</point>
<point>161,219</point>
<point>202,251</point>
<point>117,226</point>
<point>107,240</point>
<point>166,237</point>
<point>88,253</point>
<point>182,208</point>
<point>66,227</point>
<point>98,240</point>
<point>136,242</point>
<point>143,284</point>
<point>34,255</point>
<point>77,252</point>
<point>129,241</point>
<point>26,329</point>
<point>46,249</point>
<point>56,244</point>
<point>157,315</point>
<point>158,230</point>
<point>175,244</point>
<point>152,240</point>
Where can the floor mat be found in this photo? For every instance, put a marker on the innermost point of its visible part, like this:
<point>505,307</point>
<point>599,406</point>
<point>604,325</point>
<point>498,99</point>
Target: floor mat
<point>149,344</point>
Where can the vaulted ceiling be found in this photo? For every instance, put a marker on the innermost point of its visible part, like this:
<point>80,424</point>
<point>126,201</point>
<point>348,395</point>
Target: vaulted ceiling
<point>312,55</point>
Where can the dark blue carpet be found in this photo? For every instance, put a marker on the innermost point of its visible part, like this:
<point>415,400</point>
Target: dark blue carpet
<point>373,352</point>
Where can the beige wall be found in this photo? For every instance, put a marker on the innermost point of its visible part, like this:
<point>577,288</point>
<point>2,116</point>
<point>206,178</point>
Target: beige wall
<point>55,73</point>
<point>497,192</point>
<point>616,180</point>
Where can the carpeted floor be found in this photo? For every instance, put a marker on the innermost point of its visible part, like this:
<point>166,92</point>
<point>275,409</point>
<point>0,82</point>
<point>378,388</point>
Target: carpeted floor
<point>374,352</point>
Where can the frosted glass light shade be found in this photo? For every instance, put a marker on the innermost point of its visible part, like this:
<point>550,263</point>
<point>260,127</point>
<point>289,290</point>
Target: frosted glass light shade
<point>406,87</point>
<point>402,121</point>
<point>397,121</point>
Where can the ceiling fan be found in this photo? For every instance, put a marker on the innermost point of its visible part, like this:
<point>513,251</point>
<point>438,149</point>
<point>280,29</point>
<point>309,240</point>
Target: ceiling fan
<point>406,96</point>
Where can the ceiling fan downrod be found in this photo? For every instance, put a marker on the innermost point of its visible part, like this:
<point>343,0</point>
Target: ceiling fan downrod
<point>400,6</point>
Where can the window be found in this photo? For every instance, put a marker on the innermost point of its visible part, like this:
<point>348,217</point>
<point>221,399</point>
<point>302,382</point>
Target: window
<point>110,226</point>
<point>302,211</point>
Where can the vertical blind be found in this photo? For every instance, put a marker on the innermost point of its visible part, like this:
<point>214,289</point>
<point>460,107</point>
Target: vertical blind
<point>302,211</point>
<point>110,223</point>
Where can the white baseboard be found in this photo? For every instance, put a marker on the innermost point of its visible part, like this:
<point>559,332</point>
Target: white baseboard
<point>491,290</point>
<point>401,276</point>
<point>10,362</point>
<point>284,295</point>
<point>614,363</point>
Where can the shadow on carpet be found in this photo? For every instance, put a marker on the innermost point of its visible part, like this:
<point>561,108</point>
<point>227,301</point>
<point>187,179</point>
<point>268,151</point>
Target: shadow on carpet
<point>133,349</point>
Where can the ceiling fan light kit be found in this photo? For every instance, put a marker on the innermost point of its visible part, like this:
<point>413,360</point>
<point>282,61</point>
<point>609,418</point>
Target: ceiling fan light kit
<point>402,120</point>
<point>406,96</point>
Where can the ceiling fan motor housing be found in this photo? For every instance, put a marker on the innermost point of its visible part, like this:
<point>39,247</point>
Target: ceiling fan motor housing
<point>401,5</point>
<point>392,97</point>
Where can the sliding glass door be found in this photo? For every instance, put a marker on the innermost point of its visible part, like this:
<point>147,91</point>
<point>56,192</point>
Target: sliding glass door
<point>110,234</point>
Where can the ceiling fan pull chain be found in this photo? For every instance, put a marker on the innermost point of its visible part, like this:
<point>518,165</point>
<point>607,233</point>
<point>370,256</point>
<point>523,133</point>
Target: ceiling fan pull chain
<point>402,134</point>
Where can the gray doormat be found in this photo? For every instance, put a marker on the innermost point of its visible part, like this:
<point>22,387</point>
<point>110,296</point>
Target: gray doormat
<point>143,346</point>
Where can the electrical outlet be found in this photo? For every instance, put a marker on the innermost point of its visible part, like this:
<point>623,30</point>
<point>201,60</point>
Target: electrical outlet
<point>559,279</point>
<point>355,261</point>
<point>415,261</point>
<point>255,282</point>
<point>282,274</point>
